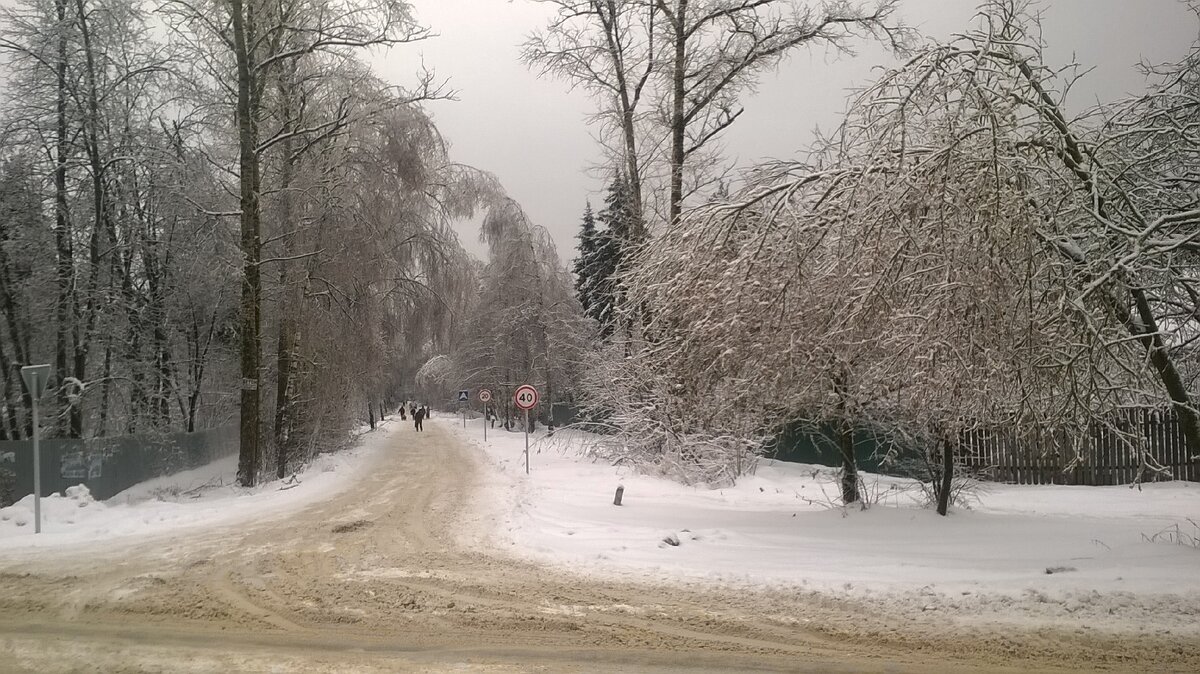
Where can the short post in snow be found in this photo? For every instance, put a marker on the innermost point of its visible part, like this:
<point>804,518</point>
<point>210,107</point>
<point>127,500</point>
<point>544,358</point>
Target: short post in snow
<point>485,397</point>
<point>36,377</point>
<point>526,398</point>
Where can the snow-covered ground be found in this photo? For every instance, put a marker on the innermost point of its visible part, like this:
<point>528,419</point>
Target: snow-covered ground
<point>1102,554</point>
<point>204,496</point>
<point>1093,557</point>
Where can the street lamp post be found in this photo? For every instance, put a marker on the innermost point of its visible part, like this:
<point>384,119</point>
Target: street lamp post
<point>36,377</point>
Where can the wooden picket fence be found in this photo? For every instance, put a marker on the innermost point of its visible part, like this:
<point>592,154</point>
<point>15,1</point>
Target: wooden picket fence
<point>1106,456</point>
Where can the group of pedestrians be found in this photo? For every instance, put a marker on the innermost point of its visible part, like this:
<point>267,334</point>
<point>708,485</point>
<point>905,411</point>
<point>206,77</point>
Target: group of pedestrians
<point>419,413</point>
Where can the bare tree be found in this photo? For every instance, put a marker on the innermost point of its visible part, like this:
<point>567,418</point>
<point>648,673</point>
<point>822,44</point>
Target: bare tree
<point>607,47</point>
<point>668,74</point>
<point>714,50</point>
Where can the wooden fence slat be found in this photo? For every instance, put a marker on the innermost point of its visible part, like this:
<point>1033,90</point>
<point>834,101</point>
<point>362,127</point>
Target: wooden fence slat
<point>1110,447</point>
<point>1109,454</point>
<point>1012,454</point>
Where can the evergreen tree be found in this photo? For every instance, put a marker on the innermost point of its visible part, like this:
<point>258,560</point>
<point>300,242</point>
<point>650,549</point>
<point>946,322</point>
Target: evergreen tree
<point>617,217</point>
<point>601,253</point>
<point>588,244</point>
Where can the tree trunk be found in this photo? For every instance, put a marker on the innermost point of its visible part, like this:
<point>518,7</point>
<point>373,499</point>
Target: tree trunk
<point>243,36</point>
<point>155,271</point>
<point>199,356</point>
<point>946,477</point>
<point>1177,390</point>
<point>283,389</point>
<point>105,391</point>
<point>101,221</point>
<point>678,75</point>
<point>612,24</point>
<point>20,348</point>
<point>13,430</point>
<point>62,235</point>
<point>845,437</point>
<point>1144,327</point>
<point>849,461</point>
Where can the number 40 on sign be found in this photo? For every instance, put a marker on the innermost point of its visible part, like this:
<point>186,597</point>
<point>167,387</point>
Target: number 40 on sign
<point>525,397</point>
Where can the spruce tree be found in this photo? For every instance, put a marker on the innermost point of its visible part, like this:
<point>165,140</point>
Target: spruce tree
<point>617,219</point>
<point>585,263</point>
<point>601,253</point>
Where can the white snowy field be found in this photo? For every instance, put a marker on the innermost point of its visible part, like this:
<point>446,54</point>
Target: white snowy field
<point>1100,555</point>
<point>201,497</point>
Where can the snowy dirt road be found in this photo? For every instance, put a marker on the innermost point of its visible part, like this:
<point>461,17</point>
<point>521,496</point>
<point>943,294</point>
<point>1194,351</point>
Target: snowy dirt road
<point>376,579</point>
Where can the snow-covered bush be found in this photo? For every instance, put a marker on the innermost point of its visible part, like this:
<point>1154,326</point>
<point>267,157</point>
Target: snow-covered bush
<point>654,425</point>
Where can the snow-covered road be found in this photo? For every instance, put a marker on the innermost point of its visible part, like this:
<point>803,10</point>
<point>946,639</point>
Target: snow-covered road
<point>399,572</point>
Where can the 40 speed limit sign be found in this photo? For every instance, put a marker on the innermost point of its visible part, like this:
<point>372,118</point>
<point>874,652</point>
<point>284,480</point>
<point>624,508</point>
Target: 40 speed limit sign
<point>525,397</point>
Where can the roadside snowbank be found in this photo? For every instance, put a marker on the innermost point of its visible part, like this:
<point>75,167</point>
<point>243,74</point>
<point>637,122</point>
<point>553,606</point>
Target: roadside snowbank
<point>1032,554</point>
<point>204,496</point>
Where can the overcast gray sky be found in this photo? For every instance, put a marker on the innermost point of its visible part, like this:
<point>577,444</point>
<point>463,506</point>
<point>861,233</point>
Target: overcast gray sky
<point>533,133</point>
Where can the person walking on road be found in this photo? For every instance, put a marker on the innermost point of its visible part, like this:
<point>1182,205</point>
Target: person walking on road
<point>418,416</point>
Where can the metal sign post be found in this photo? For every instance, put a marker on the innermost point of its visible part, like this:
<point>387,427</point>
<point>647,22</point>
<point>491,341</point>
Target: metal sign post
<point>526,398</point>
<point>485,397</point>
<point>36,377</point>
<point>464,401</point>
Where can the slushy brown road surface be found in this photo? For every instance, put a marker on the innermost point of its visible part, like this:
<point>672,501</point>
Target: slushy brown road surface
<point>379,579</point>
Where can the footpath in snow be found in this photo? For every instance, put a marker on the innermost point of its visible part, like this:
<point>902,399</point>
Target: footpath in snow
<point>1108,556</point>
<point>201,497</point>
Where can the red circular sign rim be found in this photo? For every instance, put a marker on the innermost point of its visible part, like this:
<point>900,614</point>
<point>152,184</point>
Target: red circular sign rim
<point>517,401</point>
<point>485,395</point>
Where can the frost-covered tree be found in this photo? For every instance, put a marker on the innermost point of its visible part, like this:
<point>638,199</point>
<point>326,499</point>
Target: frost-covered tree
<point>133,161</point>
<point>245,49</point>
<point>526,325</point>
<point>944,263</point>
<point>84,114</point>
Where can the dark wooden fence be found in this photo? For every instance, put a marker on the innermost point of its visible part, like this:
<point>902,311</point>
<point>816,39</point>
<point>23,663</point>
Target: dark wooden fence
<point>1109,455</point>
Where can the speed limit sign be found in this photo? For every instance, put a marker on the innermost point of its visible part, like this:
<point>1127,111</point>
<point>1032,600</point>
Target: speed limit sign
<point>485,395</point>
<point>525,397</point>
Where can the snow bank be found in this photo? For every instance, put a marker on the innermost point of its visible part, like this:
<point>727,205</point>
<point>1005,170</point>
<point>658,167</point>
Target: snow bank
<point>204,496</point>
<point>1045,551</point>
